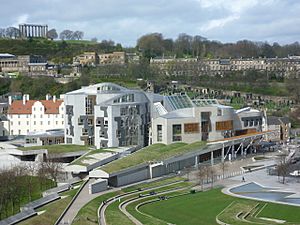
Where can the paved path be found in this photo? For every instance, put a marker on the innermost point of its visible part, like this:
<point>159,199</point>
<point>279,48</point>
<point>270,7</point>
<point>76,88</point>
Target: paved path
<point>83,198</point>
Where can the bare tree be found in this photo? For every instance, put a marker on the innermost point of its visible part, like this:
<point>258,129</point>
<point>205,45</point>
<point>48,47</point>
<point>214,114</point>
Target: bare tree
<point>53,168</point>
<point>2,32</point>
<point>66,35</point>
<point>78,35</point>
<point>12,32</point>
<point>201,174</point>
<point>223,167</point>
<point>283,167</point>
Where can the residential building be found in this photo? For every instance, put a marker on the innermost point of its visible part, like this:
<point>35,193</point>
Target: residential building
<point>172,66</point>
<point>281,125</point>
<point>106,115</point>
<point>35,115</point>
<point>87,58</point>
<point>112,58</point>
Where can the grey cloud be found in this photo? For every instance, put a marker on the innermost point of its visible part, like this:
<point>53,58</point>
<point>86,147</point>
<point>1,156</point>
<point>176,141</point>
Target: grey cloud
<point>125,21</point>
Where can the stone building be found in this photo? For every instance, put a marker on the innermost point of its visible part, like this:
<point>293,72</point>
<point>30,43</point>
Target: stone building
<point>281,125</point>
<point>26,64</point>
<point>112,58</point>
<point>172,66</point>
<point>33,30</point>
<point>87,58</point>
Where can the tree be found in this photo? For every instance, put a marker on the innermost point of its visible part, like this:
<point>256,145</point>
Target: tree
<point>77,35</point>
<point>66,35</point>
<point>12,32</point>
<point>52,168</point>
<point>183,45</point>
<point>151,45</point>
<point>223,166</point>
<point>283,167</point>
<point>2,32</point>
<point>52,34</point>
<point>94,39</point>
<point>201,174</point>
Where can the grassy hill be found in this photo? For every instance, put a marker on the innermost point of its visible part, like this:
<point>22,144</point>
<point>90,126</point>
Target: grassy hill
<point>56,51</point>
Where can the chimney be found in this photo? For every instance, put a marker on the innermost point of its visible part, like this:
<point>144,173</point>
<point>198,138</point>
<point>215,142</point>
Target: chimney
<point>54,98</point>
<point>24,99</point>
<point>9,100</point>
<point>27,97</point>
<point>48,97</point>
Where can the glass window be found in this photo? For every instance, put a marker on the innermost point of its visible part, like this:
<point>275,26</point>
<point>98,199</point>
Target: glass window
<point>159,132</point>
<point>176,132</point>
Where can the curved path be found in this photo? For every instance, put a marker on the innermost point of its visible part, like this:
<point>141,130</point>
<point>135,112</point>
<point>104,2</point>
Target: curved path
<point>102,207</point>
<point>123,206</point>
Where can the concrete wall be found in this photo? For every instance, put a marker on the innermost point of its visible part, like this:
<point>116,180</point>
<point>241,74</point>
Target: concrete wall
<point>98,186</point>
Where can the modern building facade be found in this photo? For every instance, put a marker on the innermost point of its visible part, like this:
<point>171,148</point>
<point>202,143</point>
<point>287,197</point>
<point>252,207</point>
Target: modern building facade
<point>178,118</point>
<point>106,115</point>
<point>35,115</point>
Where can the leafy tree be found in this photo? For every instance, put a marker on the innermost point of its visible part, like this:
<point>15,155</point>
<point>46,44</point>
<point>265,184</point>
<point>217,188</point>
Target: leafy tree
<point>151,44</point>
<point>52,34</point>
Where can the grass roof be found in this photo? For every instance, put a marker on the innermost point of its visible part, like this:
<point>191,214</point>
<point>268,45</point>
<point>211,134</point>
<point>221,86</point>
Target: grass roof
<point>89,155</point>
<point>155,152</point>
<point>55,149</point>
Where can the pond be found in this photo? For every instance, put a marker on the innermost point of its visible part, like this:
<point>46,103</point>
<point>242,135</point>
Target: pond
<point>255,190</point>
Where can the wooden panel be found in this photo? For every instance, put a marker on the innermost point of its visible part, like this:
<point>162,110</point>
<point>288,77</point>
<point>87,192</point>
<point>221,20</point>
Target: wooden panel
<point>191,128</point>
<point>224,125</point>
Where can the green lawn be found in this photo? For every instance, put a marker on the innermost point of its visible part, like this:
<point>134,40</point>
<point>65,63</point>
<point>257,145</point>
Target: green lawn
<point>87,215</point>
<point>203,207</point>
<point>54,149</point>
<point>24,196</point>
<point>52,210</point>
<point>155,152</point>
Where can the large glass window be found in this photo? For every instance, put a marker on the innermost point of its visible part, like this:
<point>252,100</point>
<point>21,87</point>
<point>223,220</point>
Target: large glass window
<point>176,132</point>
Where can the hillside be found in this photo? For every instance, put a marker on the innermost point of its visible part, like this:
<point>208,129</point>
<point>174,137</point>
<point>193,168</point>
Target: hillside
<point>56,51</point>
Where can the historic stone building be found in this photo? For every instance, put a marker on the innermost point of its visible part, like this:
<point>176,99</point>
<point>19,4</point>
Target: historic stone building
<point>33,30</point>
<point>26,64</point>
<point>172,66</point>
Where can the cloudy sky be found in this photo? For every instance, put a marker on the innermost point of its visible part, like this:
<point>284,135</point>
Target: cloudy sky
<point>125,20</point>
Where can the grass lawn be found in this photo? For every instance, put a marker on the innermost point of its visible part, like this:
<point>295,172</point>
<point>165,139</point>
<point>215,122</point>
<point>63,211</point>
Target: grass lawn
<point>52,210</point>
<point>36,193</point>
<point>153,152</point>
<point>88,213</point>
<point>203,207</point>
<point>115,217</point>
<point>54,149</point>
